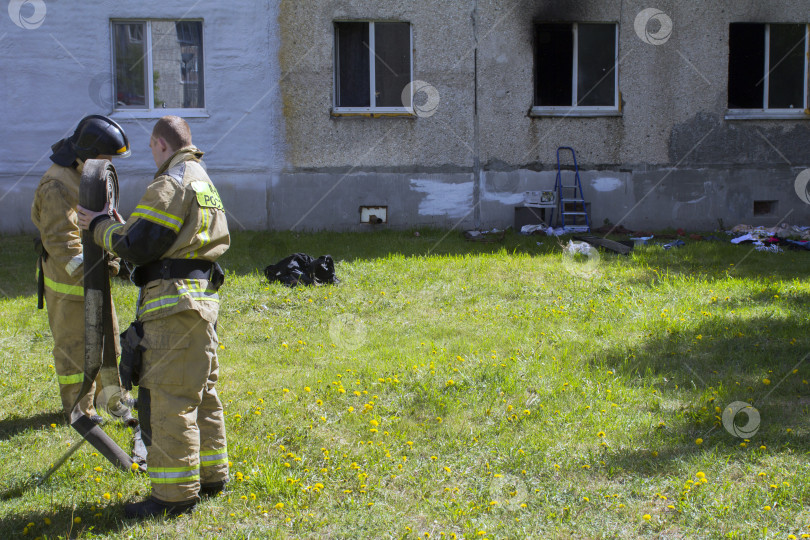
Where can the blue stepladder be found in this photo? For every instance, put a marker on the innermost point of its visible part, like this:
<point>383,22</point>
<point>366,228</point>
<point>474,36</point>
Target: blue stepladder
<point>570,200</point>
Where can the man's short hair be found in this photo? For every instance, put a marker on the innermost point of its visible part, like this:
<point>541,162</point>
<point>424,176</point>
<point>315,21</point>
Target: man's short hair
<point>174,130</point>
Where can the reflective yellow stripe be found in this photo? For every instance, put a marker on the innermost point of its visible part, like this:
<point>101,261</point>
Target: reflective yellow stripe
<point>158,216</point>
<point>174,475</point>
<point>209,458</point>
<point>108,235</point>
<point>190,287</point>
<point>161,470</point>
<point>70,379</point>
<point>63,288</point>
<point>175,480</point>
<point>202,234</point>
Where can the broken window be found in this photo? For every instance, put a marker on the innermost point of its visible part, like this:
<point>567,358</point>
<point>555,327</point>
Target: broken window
<point>372,66</point>
<point>158,65</point>
<point>767,66</point>
<point>575,66</point>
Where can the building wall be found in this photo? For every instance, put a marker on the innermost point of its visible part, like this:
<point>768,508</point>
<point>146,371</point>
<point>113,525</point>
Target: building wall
<point>59,72</point>
<point>669,160</point>
<point>283,161</point>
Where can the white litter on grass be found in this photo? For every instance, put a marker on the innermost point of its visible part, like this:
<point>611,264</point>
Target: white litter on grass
<point>641,240</point>
<point>579,248</point>
<point>773,248</point>
<point>531,229</point>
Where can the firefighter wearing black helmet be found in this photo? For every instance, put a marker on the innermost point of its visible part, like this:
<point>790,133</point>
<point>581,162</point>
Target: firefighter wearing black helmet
<point>175,236</point>
<point>60,269</point>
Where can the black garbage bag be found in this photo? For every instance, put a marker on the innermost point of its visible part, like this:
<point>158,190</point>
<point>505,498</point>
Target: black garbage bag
<point>300,268</point>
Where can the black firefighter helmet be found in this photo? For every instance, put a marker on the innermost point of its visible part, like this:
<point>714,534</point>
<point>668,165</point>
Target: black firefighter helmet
<point>95,136</point>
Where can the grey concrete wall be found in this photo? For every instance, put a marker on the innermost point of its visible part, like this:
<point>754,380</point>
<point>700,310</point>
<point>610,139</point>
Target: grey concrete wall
<point>670,159</point>
<point>282,160</point>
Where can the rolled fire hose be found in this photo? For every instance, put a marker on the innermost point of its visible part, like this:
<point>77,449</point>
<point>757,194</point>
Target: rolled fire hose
<point>99,186</point>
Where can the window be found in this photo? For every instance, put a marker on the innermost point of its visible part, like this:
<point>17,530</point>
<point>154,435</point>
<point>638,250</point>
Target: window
<point>158,66</point>
<point>372,67</point>
<point>767,70</point>
<point>575,69</point>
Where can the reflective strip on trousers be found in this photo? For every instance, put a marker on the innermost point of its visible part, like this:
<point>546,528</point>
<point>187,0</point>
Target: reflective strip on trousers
<point>70,379</point>
<point>63,288</point>
<point>174,475</point>
<point>158,216</point>
<point>210,458</point>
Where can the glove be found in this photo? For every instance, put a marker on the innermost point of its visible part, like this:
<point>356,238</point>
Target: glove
<point>113,263</point>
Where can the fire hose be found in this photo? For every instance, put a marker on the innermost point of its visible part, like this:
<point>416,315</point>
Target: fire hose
<point>99,188</point>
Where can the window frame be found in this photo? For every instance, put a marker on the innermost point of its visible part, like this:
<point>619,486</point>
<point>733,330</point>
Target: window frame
<point>767,113</point>
<point>371,110</point>
<point>574,109</point>
<point>150,111</point>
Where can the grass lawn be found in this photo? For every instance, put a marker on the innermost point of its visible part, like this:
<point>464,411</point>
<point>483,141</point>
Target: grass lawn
<point>449,389</point>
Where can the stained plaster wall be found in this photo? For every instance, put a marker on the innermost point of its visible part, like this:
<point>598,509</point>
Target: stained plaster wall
<point>59,72</point>
<point>669,159</point>
<point>282,161</point>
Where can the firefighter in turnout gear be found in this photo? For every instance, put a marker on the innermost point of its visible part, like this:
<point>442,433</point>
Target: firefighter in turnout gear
<point>174,237</point>
<point>60,268</point>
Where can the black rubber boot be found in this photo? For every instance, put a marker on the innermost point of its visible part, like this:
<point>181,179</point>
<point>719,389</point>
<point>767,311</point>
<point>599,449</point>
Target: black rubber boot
<point>209,491</point>
<point>152,507</point>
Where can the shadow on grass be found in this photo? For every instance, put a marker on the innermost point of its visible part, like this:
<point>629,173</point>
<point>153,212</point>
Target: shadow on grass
<point>717,260</point>
<point>11,426</point>
<point>254,250</point>
<point>723,359</point>
<point>61,521</point>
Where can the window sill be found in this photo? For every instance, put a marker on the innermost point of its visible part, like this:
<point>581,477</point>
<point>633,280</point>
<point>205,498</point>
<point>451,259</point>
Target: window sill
<point>575,112</point>
<point>136,114</point>
<point>372,113</point>
<point>765,114</point>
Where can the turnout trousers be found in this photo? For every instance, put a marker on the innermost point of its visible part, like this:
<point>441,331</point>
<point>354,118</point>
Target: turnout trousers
<point>66,319</point>
<point>181,416</point>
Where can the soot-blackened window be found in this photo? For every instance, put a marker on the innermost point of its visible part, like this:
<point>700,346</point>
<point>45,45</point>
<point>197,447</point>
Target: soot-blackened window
<point>767,66</point>
<point>575,65</point>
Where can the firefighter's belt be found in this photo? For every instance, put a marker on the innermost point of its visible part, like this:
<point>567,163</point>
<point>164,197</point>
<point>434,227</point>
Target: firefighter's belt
<point>169,269</point>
